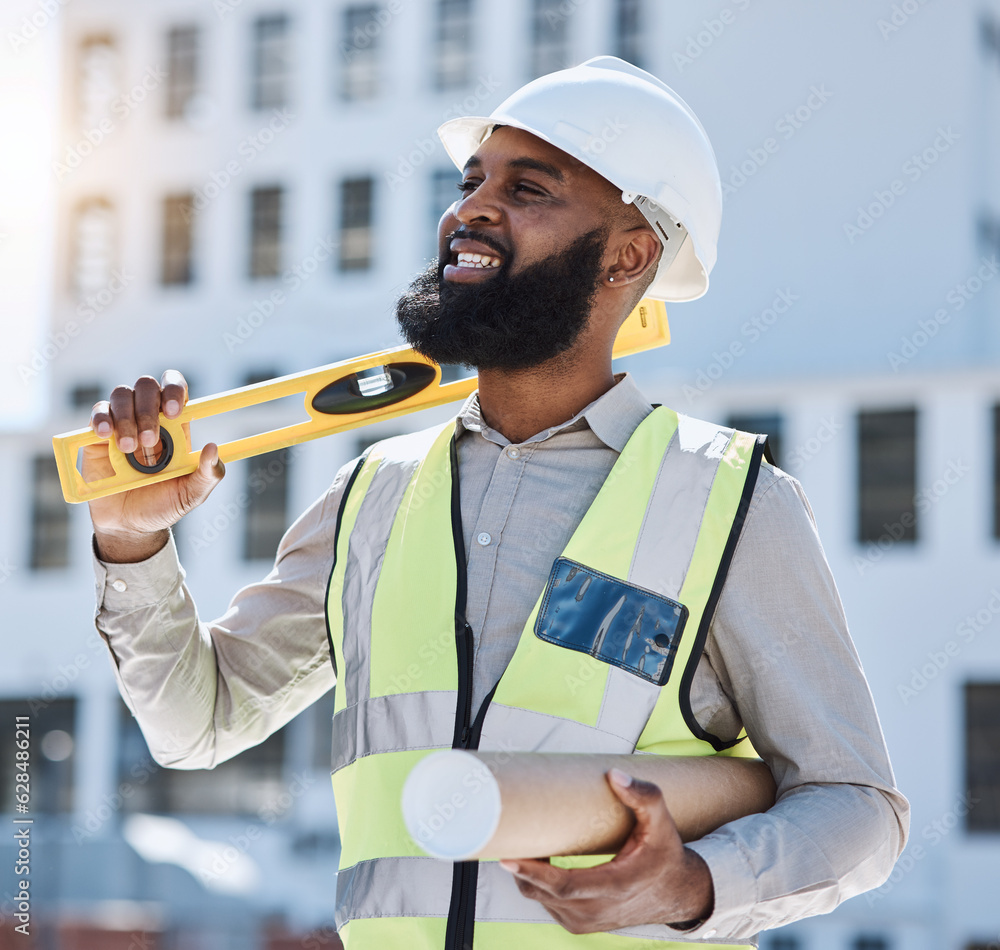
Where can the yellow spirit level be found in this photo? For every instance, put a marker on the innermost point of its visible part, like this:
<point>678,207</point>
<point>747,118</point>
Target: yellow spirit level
<point>338,397</point>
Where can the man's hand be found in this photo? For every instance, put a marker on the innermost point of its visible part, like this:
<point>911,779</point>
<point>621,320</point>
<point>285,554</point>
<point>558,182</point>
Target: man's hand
<point>134,525</point>
<point>654,879</point>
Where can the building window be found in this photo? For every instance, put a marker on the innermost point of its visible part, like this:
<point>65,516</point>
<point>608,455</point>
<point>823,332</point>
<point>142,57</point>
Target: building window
<point>98,82</point>
<point>765,423</point>
<point>271,61</point>
<point>178,217</point>
<point>51,731</point>
<point>996,471</point>
<point>628,31</point>
<point>84,395</point>
<point>982,755</point>
<point>49,516</point>
<point>250,783</point>
<point>783,942</point>
<point>989,34</point>
<point>359,78</point>
<point>988,232</point>
<point>93,251</point>
<point>267,509</point>
<point>265,231</point>
<point>869,942</point>
<point>356,223</point>
<point>549,36</point>
<point>887,475</point>
<point>453,44</point>
<point>182,69</point>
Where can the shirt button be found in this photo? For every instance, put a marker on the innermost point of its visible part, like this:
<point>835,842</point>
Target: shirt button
<point>484,539</point>
<point>119,586</point>
<point>513,453</point>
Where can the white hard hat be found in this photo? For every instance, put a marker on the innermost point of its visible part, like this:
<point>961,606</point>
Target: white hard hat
<point>639,134</point>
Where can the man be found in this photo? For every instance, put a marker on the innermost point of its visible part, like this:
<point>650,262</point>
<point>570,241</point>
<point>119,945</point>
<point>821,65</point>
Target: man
<point>421,572</point>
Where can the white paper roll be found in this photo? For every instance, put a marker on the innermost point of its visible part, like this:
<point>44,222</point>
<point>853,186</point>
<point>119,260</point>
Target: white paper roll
<point>451,804</point>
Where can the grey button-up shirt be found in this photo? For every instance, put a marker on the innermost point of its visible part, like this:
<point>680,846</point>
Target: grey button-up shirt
<point>778,659</point>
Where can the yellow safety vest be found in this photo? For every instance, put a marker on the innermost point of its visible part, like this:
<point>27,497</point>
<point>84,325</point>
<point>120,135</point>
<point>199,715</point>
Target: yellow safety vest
<point>666,520</point>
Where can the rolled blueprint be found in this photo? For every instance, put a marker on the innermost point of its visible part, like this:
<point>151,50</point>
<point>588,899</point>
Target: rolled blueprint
<point>462,806</point>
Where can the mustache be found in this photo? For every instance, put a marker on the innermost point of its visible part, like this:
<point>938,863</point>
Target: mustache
<point>488,240</point>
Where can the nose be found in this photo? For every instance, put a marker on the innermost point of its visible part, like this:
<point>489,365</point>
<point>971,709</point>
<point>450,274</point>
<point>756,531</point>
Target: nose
<point>479,206</point>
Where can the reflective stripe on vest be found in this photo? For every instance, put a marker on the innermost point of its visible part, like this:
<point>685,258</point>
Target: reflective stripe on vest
<point>666,519</point>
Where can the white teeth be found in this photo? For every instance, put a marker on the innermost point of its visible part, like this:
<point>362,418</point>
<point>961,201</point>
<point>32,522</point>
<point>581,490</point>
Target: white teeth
<point>467,259</point>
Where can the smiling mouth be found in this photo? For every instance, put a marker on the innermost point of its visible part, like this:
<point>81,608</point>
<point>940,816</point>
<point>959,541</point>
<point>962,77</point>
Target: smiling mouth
<point>480,261</point>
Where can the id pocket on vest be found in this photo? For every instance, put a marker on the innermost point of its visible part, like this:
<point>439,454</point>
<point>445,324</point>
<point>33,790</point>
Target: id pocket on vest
<point>610,619</point>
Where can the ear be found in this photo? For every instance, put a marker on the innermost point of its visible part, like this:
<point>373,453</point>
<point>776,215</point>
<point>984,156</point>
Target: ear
<point>637,257</point>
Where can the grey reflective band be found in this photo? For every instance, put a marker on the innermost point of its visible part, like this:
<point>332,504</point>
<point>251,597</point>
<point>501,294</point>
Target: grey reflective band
<point>389,723</point>
<point>675,510</point>
<point>367,546</point>
<point>336,541</point>
<point>663,554</point>
<point>393,887</point>
<point>376,889</point>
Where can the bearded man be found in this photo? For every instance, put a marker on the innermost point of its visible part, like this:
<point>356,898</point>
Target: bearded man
<point>416,581</point>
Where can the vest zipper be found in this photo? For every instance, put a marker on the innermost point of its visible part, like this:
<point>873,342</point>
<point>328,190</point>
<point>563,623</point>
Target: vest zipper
<point>462,911</point>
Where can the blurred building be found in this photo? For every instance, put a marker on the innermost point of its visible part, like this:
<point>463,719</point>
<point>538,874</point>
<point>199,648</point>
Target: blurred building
<point>241,188</point>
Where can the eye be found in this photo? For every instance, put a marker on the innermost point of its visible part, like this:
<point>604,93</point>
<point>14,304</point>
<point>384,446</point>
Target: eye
<point>528,188</point>
<point>466,186</point>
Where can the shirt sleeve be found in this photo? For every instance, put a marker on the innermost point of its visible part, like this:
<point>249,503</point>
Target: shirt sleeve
<point>780,647</point>
<point>203,692</point>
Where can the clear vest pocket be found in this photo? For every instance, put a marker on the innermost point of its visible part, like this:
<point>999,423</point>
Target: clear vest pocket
<point>612,620</point>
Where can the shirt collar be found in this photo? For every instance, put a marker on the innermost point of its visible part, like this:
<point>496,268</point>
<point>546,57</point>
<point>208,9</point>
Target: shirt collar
<point>612,417</point>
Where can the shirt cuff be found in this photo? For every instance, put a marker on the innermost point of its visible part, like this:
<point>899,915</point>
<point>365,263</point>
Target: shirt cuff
<point>122,588</point>
<point>735,890</point>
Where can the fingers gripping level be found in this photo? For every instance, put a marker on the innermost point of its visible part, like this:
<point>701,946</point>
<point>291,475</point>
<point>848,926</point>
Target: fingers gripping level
<point>337,397</point>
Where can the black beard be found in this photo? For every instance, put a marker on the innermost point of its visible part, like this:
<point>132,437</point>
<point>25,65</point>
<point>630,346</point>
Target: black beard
<point>507,321</point>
